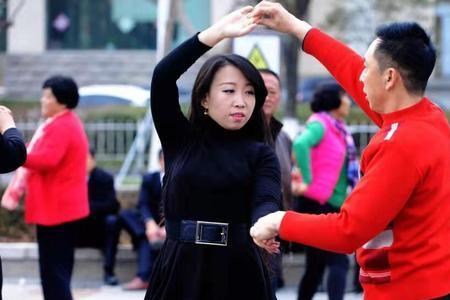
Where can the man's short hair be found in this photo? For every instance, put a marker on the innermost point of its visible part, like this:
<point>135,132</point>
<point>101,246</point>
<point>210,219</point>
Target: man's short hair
<point>408,48</point>
<point>64,89</point>
<point>271,72</point>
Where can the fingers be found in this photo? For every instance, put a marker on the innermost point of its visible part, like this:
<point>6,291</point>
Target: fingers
<point>248,29</point>
<point>246,9</point>
<point>264,10</point>
<point>5,109</point>
<point>259,243</point>
<point>9,205</point>
<point>258,232</point>
<point>271,246</point>
<point>253,231</point>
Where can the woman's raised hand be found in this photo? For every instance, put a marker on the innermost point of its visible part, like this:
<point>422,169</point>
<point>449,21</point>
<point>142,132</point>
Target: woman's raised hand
<point>276,17</point>
<point>235,24</point>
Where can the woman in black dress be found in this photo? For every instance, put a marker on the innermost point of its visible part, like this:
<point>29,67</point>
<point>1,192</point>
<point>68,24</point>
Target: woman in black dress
<point>222,175</point>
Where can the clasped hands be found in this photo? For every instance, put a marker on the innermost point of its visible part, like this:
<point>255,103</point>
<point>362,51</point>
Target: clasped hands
<point>244,20</point>
<point>154,232</point>
<point>266,229</point>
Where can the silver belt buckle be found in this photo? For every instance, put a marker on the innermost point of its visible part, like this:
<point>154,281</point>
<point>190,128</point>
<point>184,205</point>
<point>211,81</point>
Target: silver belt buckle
<point>223,233</point>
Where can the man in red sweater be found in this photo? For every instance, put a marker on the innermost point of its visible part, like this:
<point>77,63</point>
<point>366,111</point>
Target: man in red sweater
<point>398,216</point>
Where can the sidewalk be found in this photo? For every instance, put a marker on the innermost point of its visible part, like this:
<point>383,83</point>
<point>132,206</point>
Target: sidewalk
<point>32,291</point>
<point>21,275</point>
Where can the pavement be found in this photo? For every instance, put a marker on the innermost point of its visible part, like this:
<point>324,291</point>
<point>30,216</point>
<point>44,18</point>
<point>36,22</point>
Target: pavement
<point>23,289</point>
<point>21,275</point>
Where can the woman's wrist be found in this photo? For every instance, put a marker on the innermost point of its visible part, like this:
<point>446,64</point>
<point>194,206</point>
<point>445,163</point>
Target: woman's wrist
<point>210,36</point>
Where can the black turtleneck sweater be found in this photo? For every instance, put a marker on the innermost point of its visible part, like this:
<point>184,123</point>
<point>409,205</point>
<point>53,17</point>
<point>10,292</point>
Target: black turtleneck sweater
<point>218,175</point>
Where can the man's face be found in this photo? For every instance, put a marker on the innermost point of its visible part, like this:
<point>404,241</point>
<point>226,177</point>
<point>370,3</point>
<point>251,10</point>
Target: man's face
<point>272,102</point>
<point>372,78</point>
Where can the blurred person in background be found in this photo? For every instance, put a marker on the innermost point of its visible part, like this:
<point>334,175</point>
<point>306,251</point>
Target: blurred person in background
<point>144,226</point>
<point>101,228</point>
<point>12,152</point>
<point>283,147</point>
<point>397,217</point>
<point>326,156</point>
<point>54,177</point>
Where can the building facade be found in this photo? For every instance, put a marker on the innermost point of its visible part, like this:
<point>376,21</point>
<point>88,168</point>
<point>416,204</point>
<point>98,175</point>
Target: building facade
<point>91,39</point>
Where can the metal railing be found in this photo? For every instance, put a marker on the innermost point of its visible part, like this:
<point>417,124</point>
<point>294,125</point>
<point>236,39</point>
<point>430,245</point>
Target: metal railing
<point>361,134</point>
<point>123,147</point>
<point>111,140</point>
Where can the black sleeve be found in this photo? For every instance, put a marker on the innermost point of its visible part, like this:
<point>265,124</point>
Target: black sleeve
<point>170,123</point>
<point>103,201</point>
<point>13,152</point>
<point>267,193</point>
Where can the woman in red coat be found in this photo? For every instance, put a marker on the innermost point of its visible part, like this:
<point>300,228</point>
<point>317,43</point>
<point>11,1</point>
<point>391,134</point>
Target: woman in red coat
<point>56,184</point>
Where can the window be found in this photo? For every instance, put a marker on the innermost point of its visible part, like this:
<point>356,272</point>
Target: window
<point>101,24</point>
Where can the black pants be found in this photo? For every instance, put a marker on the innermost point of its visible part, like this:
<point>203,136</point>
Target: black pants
<point>56,259</point>
<point>131,221</point>
<point>317,260</point>
<point>112,228</point>
<point>101,232</point>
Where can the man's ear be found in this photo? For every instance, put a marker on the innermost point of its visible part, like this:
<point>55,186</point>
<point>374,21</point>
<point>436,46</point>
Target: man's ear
<point>391,78</point>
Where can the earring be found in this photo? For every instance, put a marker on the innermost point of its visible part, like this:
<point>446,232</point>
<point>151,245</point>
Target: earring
<point>205,112</point>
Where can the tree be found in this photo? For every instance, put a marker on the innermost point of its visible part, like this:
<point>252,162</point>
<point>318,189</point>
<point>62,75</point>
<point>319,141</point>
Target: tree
<point>354,22</point>
<point>5,21</point>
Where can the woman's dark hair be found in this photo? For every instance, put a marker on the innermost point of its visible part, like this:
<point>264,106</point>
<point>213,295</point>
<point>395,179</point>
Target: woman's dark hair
<point>327,96</point>
<point>65,90</point>
<point>406,47</point>
<point>256,126</point>
<point>92,151</point>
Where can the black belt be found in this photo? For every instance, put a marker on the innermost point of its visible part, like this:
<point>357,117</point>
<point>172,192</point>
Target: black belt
<point>207,233</point>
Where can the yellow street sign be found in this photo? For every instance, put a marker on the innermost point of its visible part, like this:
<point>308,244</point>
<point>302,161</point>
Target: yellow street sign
<point>262,50</point>
<point>257,58</point>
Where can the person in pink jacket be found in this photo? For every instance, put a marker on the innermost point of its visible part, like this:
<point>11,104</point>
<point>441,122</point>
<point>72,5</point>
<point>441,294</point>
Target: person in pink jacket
<point>328,162</point>
<point>54,177</point>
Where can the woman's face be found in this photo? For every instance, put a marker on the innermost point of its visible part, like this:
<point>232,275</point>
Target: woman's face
<point>49,105</point>
<point>344,109</point>
<point>231,98</point>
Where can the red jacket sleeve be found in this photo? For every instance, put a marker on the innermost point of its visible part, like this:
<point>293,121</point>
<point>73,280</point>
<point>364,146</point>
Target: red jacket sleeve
<point>49,150</point>
<point>344,65</point>
<point>377,199</point>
